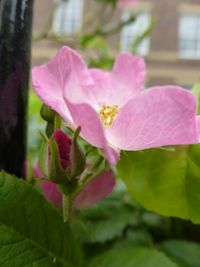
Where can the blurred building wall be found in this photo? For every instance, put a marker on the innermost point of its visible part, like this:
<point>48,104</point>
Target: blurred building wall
<point>165,65</point>
<point>164,60</point>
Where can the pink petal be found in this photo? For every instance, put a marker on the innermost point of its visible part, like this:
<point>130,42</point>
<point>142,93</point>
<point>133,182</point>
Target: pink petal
<point>79,86</point>
<point>157,117</point>
<point>51,193</point>
<point>120,85</point>
<point>96,190</point>
<point>91,128</point>
<point>49,189</point>
<point>103,87</point>
<point>37,171</point>
<point>50,80</point>
<point>129,71</point>
<point>198,126</point>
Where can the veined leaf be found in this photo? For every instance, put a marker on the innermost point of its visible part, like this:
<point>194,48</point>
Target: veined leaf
<point>136,257</point>
<point>164,181</point>
<point>185,253</point>
<point>32,232</point>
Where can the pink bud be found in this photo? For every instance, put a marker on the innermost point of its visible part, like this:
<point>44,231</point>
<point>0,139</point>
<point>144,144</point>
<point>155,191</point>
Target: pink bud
<point>63,142</point>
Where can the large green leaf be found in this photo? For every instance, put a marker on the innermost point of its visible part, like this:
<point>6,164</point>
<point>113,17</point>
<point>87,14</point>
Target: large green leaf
<point>186,254</point>
<point>32,232</point>
<point>17,251</point>
<point>164,181</point>
<point>136,257</point>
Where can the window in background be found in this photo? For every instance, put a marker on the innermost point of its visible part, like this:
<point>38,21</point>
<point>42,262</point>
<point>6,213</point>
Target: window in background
<point>189,36</point>
<point>68,17</point>
<point>133,30</point>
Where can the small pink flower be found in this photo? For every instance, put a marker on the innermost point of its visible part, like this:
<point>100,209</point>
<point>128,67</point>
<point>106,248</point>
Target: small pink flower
<point>94,191</point>
<point>124,3</point>
<point>112,110</point>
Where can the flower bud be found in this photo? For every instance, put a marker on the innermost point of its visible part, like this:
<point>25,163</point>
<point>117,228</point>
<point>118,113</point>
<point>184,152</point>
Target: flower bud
<point>66,160</point>
<point>47,113</point>
<point>64,143</point>
<point>59,160</point>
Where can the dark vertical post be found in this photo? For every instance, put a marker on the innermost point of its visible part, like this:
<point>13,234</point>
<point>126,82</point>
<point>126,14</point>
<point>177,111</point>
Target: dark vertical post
<point>15,41</point>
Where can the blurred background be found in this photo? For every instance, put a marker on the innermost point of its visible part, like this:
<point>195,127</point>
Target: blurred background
<point>166,33</point>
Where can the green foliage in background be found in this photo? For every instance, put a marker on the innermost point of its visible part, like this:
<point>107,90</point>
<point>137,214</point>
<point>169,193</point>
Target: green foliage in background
<point>35,125</point>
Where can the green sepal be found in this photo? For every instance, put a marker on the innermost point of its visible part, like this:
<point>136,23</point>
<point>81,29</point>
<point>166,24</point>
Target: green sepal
<point>49,129</point>
<point>49,116</point>
<point>196,91</point>
<point>56,172</point>
<point>47,113</point>
<point>44,158</point>
<point>69,187</point>
<point>77,157</point>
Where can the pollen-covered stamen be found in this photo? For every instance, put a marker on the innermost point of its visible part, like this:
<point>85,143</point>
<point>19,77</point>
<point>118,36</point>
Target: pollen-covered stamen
<point>108,114</point>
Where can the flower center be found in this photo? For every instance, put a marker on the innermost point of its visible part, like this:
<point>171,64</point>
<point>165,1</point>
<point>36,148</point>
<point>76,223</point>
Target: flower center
<point>108,114</point>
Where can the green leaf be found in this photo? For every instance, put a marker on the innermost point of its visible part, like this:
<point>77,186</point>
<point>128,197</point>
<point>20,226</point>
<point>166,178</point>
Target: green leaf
<point>186,254</point>
<point>32,232</point>
<point>136,257</point>
<point>16,251</point>
<point>132,238</point>
<point>164,181</point>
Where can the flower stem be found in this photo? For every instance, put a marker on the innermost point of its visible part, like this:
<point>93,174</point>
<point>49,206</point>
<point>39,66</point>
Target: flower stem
<point>89,174</point>
<point>57,122</point>
<point>97,163</point>
<point>67,208</point>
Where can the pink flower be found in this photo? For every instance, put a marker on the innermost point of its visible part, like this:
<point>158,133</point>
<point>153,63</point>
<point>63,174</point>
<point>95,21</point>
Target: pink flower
<point>124,3</point>
<point>112,110</point>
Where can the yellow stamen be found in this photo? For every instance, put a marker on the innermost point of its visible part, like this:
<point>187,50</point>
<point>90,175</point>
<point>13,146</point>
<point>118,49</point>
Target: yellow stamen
<point>108,114</point>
